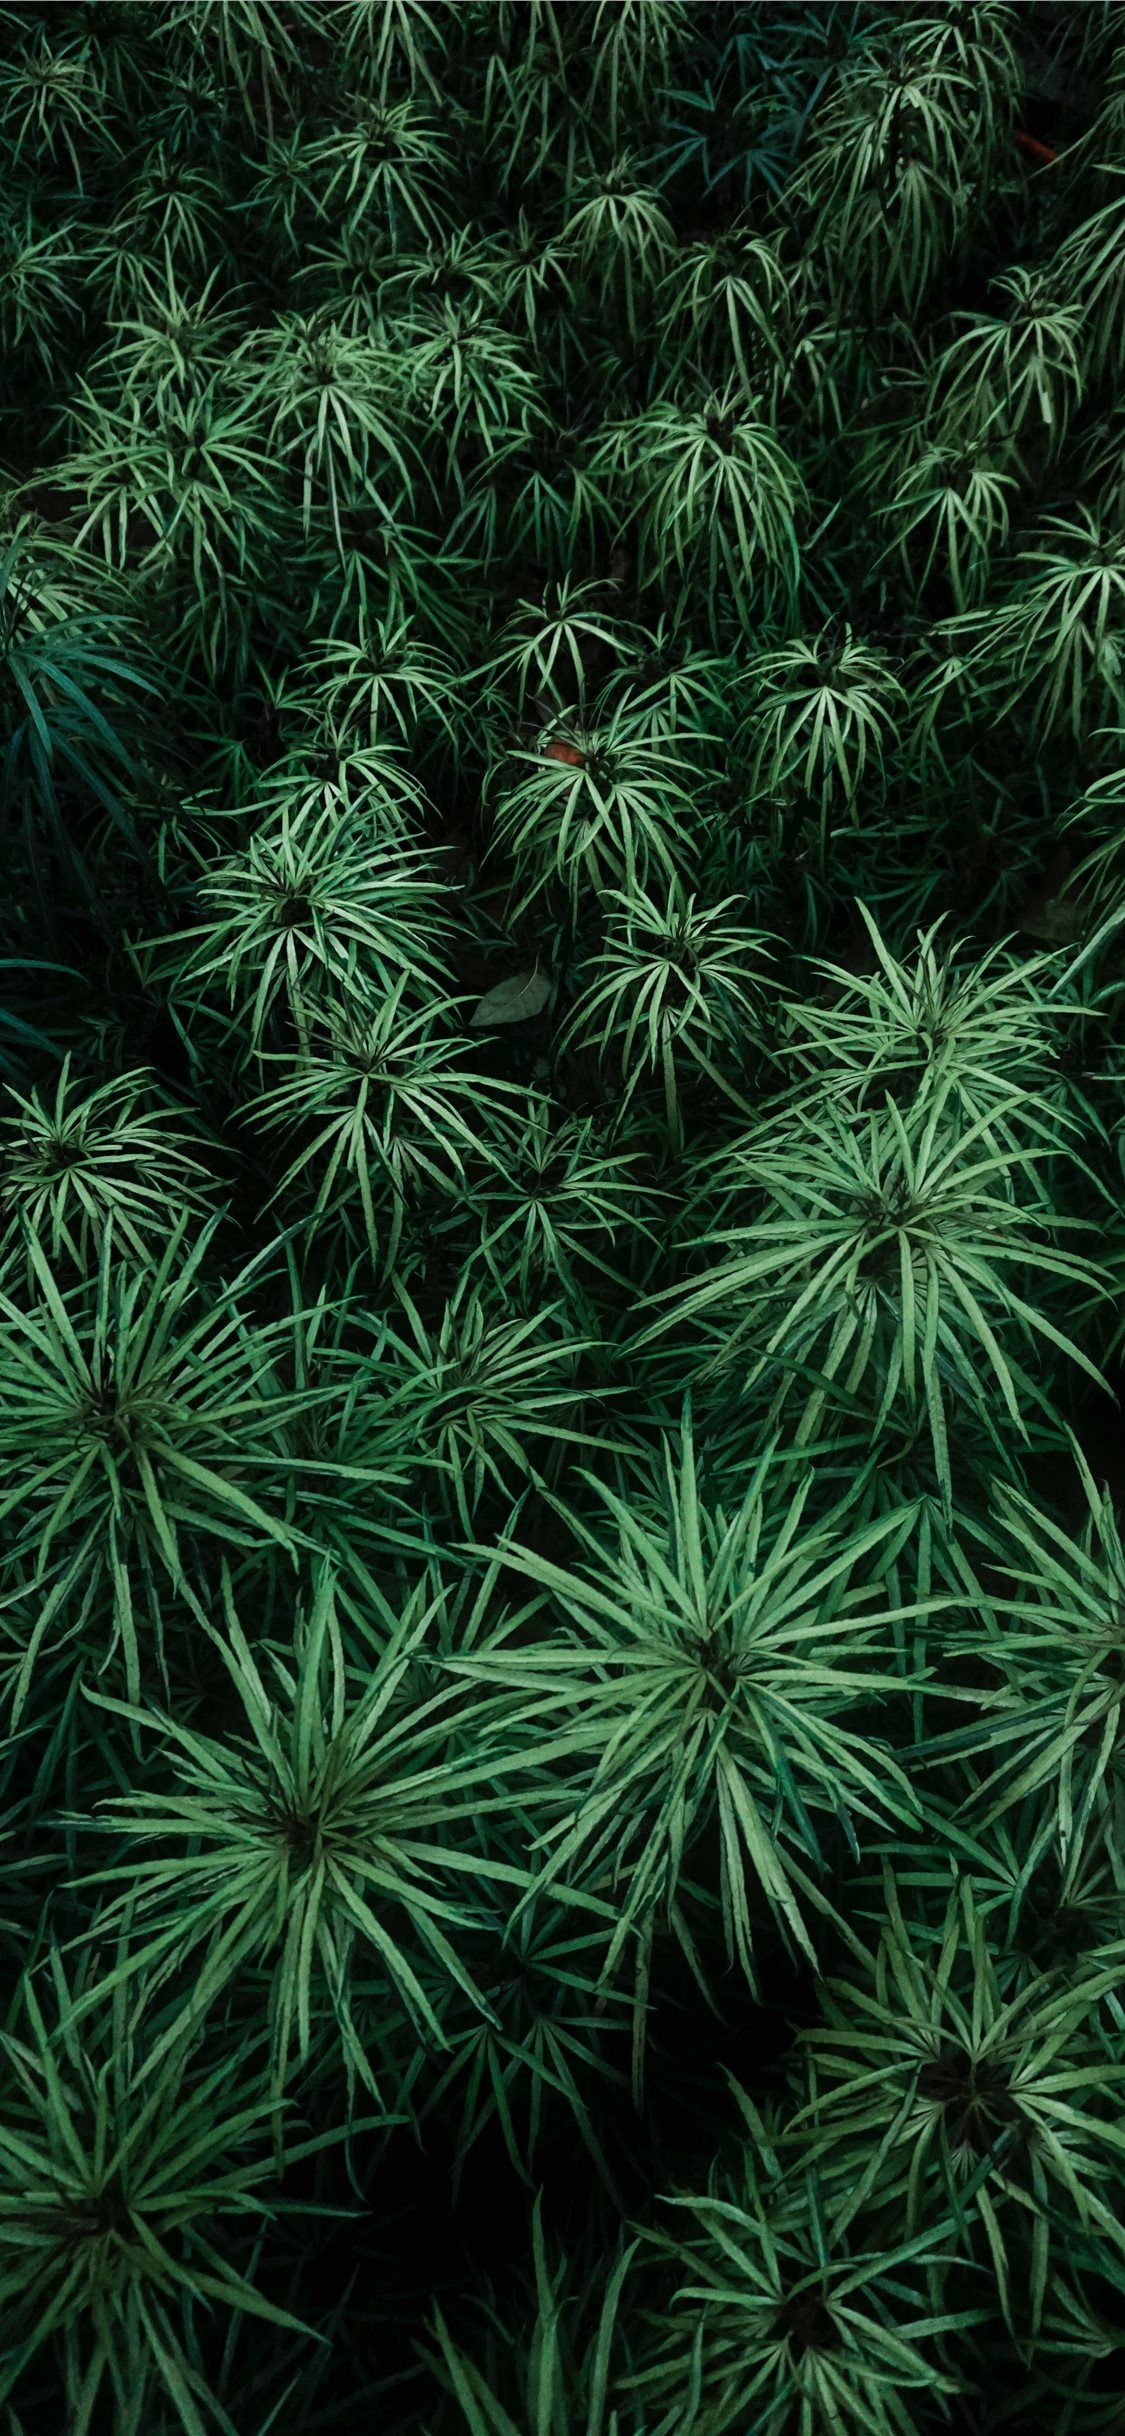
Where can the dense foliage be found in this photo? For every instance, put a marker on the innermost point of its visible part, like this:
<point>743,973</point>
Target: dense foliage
<point>562,1593</point>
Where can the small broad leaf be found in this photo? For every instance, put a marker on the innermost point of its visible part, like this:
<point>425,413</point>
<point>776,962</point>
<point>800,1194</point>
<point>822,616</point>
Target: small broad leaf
<point>513,1001</point>
<point>1056,919</point>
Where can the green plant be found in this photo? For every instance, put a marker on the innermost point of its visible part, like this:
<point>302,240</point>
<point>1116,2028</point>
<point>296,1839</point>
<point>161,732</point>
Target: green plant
<point>675,994</point>
<point>323,1827</point>
<point>547,2038</point>
<point>892,167</point>
<point>53,101</point>
<point>778,2307</point>
<point>118,2185</point>
<point>140,1414</point>
<point>471,1393</point>
<point>999,379</point>
<point>885,1245</point>
<point>988,1029</point>
<point>38,270</point>
<point>1050,1657</point>
<point>389,681</point>
<point>252,47</point>
<point>1057,637</point>
<point>72,687</point>
<point>173,216</point>
<point>996,2112</point>
<point>405,43</point>
<point>949,513</point>
<point>631,52</point>
<point>1089,264</point>
<point>547,645</point>
<point>527,127</point>
<point>621,238</point>
<point>703,1666</point>
<point>731,297</point>
<point>181,502</point>
<point>557,2372</point>
<point>177,339</point>
<point>318,911</point>
<point>719,498</point>
<point>600,802</point>
<point>561,1002</point>
<point>383,1104</point>
<point>391,166</point>
<point>675,687</point>
<point>469,380</point>
<point>559,1208</point>
<point>822,714</point>
<point>326,392</point>
<point>79,1163</point>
